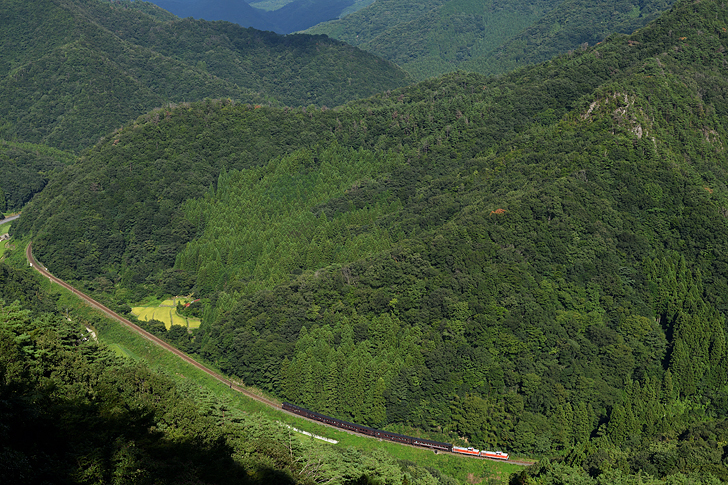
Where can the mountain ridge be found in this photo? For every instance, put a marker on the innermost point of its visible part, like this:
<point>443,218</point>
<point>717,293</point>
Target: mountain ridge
<point>294,16</point>
<point>487,37</point>
<point>110,63</point>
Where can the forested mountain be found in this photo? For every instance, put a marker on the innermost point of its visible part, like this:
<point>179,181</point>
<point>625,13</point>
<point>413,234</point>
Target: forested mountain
<point>295,69</point>
<point>572,24</point>
<point>75,412</point>
<point>438,36</point>
<point>98,65</point>
<point>535,262</point>
<point>291,16</point>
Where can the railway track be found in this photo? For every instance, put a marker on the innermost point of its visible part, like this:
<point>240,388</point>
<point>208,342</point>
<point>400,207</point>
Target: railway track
<point>155,340</point>
<point>161,343</point>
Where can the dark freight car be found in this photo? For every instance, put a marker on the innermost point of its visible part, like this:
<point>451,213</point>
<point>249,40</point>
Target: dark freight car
<point>358,428</point>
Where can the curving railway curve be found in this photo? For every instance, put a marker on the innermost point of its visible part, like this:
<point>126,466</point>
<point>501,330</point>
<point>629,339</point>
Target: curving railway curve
<point>157,341</point>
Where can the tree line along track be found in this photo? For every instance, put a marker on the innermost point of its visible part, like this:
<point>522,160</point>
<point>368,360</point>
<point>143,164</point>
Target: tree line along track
<point>161,343</point>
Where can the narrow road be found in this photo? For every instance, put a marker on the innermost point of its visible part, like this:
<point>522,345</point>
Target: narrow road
<point>8,219</point>
<point>156,340</point>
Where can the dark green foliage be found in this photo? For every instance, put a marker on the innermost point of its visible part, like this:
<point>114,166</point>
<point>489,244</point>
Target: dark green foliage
<point>74,413</point>
<point>295,70</point>
<point>100,65</point>
<point>522,327</point>
<point>146,7</point>
<point>18,285</point>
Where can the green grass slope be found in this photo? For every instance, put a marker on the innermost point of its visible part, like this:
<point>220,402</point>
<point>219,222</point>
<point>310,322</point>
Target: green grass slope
<point>546,265</point>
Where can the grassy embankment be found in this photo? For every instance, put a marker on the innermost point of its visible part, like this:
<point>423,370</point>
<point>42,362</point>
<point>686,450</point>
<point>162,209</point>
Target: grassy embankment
<point>4,228</point>
<point>129,344</point>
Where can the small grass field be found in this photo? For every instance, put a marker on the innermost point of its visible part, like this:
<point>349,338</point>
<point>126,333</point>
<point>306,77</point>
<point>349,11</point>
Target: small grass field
<point>4,228</point>
<point>165,312</point>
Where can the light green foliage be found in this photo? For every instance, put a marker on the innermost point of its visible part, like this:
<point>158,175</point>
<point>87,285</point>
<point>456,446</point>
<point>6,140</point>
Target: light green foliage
<point>261,225</point>
<point>4,228</point>
<point>349,379</point>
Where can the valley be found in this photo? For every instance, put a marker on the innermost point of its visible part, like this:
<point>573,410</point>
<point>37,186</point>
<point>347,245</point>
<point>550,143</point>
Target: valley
<point>524,250</point>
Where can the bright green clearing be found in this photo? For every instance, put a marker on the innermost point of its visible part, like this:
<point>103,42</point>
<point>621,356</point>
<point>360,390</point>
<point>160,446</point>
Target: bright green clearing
<point>165,312</point>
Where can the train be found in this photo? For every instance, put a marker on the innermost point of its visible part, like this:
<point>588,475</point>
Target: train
<point>387,435</point>
<point>493,455</point>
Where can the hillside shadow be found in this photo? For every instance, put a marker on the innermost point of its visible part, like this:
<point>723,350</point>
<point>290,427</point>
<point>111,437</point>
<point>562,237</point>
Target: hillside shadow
<point>45,439</point>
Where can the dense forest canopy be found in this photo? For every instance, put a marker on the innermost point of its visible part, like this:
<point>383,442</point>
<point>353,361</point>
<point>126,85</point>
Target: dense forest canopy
<point>495,36</point>
<point>100,64</point>
<point>534,262</point>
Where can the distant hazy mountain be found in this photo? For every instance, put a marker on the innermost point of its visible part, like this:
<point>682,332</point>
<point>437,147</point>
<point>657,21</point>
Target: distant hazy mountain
<point>302,14</point>
<point>235,11</point>
<point>432,37</point>
<point>289,17</point>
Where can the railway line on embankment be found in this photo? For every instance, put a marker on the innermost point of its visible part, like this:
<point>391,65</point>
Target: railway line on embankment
<point>161,343</point>
<point>135,328</point>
